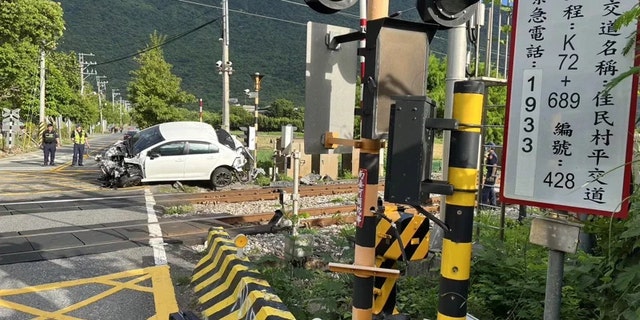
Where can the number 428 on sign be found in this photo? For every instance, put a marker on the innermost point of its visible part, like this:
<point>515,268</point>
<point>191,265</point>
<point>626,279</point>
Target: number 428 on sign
<point>560,180</point>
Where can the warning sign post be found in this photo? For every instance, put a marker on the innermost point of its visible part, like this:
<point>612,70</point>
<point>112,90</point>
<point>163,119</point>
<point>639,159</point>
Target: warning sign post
<point>568,141</point>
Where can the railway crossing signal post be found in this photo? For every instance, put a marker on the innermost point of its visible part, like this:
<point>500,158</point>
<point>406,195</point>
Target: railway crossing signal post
<point>396,59</point>
<point>455,267</point>
<point>257,79</point>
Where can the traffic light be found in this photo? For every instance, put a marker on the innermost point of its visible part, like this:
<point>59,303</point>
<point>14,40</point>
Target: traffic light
<point>330,6</point>
<point>447,13</point>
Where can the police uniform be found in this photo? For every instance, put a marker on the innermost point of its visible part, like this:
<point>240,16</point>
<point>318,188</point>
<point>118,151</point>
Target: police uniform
<point>488,191</point>
<point>79,139</point>
<point>49,143</point>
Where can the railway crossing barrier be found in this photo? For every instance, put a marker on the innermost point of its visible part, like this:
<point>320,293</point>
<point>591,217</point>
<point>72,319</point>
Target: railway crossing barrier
<point>229,286</point>
<point>400,236</point>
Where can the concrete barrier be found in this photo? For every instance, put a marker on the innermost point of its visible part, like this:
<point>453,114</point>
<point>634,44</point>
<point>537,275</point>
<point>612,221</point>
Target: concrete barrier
<point>229,286</point>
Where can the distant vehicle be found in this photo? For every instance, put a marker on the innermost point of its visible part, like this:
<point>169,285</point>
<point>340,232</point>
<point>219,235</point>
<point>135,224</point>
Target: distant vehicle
<point>177,151</point>
<point>129,134</point>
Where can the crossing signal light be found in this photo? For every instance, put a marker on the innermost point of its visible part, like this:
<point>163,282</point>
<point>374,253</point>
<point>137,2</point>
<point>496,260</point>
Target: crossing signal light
<point>447,13</point>
<point>249,137</point>
<point>330,6</point>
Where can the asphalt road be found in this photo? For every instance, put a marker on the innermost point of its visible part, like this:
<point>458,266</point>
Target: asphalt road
<point>70,249</point>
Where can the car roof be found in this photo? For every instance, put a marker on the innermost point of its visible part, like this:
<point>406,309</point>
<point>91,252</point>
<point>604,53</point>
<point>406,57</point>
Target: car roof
<point>188,130</point>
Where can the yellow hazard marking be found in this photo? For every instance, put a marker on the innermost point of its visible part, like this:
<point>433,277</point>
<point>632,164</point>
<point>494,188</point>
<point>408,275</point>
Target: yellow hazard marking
<point>226,260</point>
<point>467,109</point>
<point>456,260</point>
<point>61,167</point>
<point>265,312</point>
<point>443,317</point>
<point>423,247</point>
<point>237,294</point>
<point>385,291</point>
<point>161,288</point>
<point>463,179</point>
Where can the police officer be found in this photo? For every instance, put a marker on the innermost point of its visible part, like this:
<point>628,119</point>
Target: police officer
<point>490,162</point>
<point>80,139</point>
<point>50,140</point>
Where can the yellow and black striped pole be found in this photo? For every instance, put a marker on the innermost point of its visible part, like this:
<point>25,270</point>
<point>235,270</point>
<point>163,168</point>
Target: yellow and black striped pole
<point>365,251</point>
<point>41,127</point>
<point>364,255</point>
<point>463,171</point>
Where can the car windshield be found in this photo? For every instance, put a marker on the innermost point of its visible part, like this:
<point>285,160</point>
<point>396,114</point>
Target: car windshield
<point>226,139</point>
<point>145,139</point>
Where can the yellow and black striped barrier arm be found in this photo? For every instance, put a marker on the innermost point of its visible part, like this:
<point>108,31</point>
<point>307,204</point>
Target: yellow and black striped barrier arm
<point>463,163</point>
<point>413,231</point>
<point>229,287</point>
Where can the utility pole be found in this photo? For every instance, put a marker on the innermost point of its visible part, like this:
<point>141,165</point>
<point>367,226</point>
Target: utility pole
<point>487,67</point>
<point>99,85</point>
<point>84,73</point>
<point>114,94</point>
<point>42,90</point>
<point>120,103</point>
<point>226,65</point>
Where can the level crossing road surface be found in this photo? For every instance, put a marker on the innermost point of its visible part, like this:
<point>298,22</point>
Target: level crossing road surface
<point>70,249</point>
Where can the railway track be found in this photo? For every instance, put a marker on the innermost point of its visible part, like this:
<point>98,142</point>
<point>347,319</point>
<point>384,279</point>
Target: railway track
<point>186,229</point>
<point>248,195</point>
<point>35,245</point>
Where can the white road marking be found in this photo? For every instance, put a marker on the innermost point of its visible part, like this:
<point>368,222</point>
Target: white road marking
<point>155,233</point>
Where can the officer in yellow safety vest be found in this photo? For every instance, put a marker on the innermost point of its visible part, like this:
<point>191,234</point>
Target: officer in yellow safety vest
<point>80,139</point>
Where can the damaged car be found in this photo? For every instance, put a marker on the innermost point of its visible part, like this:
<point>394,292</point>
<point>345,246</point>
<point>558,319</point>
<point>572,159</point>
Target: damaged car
<point>177,151</point>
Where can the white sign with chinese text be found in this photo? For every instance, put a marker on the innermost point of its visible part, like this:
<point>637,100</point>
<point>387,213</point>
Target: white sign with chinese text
<point>567,140</point>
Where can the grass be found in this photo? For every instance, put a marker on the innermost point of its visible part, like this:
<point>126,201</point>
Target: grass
<point>181,209</point>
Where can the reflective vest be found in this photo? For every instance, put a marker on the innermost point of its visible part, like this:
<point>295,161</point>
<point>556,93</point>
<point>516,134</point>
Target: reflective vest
<point>79,137</point>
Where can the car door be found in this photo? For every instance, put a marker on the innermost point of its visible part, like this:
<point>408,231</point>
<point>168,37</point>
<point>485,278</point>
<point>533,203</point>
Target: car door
<point>165,162</point>
<point>202,157</point>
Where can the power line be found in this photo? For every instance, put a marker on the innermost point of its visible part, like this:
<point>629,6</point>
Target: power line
<point>169,40</point>
<point>339,13</point>
<point>244,12</point>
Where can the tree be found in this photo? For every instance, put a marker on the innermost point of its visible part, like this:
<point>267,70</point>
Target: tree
<point>26,27</point>
<point>283,108</point>
<point>63,85</point>
<point>239,117</point>
<point>155,91</point>
<point>436,83</point>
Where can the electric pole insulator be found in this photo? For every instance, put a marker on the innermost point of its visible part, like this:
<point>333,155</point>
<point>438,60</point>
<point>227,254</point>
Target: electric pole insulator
<point>330,6</point>
<point>447,13</point>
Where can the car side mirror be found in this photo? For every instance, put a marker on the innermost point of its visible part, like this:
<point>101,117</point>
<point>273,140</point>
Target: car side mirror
<point>154,155</point>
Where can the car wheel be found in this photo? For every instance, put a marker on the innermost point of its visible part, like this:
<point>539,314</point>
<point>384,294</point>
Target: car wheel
<point>221,177</point>
<point>130,181</point>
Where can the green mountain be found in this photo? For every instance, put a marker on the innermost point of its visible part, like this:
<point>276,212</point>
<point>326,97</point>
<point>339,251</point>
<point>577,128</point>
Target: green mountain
<point>266,36</point>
